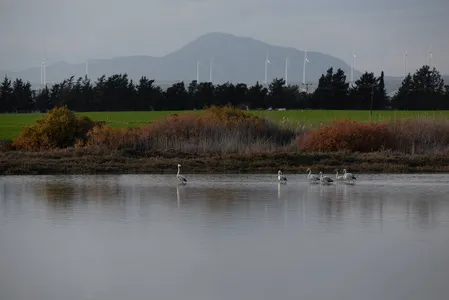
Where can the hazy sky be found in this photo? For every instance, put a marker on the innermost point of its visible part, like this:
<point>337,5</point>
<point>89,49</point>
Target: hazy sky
<point>378,31</point>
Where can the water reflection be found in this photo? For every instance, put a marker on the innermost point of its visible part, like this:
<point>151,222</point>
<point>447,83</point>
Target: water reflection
<point>335,206</point>
<point>130,236</point>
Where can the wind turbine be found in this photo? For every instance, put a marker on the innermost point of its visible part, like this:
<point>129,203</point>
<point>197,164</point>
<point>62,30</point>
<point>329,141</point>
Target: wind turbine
<point>405,63</point>
<point>352,68</point>
<point>430,56</point>
<point>211,63</point>
<point>304,67</point>
<point>267,61</point>
<point>42,73</point>
<point>197,71</point>
<point>286,71</point>
<point>45,68</point>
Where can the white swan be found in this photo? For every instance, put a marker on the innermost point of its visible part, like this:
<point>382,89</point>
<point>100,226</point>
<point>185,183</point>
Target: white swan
<point>325,179</point>
<point>348,176</point>
<point>181,178</point>
<point>312,177</point>
<point>281,178</point>
<point>338,177</point>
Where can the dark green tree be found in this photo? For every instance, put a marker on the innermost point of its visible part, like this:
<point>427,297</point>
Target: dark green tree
<point>363,92</point>
<point>224,94</point>
<point>332,91</point>
<point>22,96</point>
<point>119,93</point>
<point>399,100</point>
<point>176,97</point>
<point>276,95</point>
<point>192,91</point>
<point>204,95</point>
<point>6,95</point>
<point>149,96</point>
<point>257,96</point>
<point>291,95</point>
<point>241,95</point>
<point>340,91</point>
<point>43,100</point>
<point>422,91</point>
<point>381,98</point>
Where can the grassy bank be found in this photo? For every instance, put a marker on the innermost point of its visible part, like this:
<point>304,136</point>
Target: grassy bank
<point>72,161</point>
<point>12,124</point>
<point>226,140</point>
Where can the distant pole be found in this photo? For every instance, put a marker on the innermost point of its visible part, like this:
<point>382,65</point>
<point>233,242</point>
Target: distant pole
<point>286,71</point>
<point>266,70</point>
<point>405,63</point>
<point>198,71</point>
<point>304,67</point>
<point>352,68</point>
<point>45,68</point>
<point>210,69</point>
<point>45,73</point>
<point>267,61</point>
<point>42,73</point>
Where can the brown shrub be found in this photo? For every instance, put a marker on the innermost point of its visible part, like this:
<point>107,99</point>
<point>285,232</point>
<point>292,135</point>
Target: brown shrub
<point>216,130</point>
<point>419,135</point>
<point>59,128</point>
<point>346,135</point>
<point>112,138</point>
<point>409,136</point>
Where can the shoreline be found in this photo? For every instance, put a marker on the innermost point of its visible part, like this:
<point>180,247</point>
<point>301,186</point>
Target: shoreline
<point>73,161</point>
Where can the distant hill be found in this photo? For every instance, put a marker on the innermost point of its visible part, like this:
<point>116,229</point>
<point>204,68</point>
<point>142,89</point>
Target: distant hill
<point>235,59</point>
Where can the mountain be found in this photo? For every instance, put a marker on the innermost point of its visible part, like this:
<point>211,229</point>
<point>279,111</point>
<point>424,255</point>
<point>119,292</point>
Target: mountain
<point>235,59</point>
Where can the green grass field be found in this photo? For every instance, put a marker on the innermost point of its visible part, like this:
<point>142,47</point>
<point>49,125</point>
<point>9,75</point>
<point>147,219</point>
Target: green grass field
<point>12,124</point>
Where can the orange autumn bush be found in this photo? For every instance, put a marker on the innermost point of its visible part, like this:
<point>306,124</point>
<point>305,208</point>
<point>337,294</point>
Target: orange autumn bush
<point>346,135</point>
<point>111,138</point>
<point>60,128</point>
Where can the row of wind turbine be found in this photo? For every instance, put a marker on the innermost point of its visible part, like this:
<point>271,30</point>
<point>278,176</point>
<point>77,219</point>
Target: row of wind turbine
<point>430,57</point>
<point>287,61</point>
<point>267,62</point>
<point>211,64</point>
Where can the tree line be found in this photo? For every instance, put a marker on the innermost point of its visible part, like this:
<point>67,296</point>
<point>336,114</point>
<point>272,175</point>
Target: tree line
<point>424,90</point>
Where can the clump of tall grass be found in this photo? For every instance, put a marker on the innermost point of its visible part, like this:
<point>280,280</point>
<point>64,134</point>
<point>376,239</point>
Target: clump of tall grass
<point>419,135</point>
<point>409,136</point>
<point>217,130</point>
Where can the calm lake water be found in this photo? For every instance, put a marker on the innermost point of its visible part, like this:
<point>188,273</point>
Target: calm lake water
<point>223,237</point>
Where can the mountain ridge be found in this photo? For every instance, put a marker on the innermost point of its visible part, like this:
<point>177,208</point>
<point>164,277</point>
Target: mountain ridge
<point>235,59</point>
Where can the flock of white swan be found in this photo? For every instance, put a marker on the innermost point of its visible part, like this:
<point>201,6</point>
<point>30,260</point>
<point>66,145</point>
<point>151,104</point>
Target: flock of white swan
<point>312,178</point>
